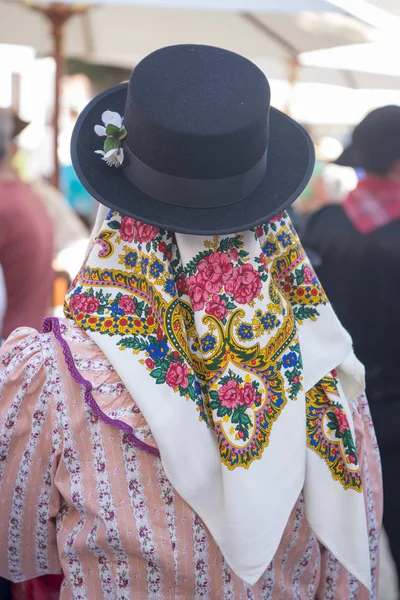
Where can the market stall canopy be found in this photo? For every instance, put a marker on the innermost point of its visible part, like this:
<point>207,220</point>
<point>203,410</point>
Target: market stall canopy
<point>120,34</point>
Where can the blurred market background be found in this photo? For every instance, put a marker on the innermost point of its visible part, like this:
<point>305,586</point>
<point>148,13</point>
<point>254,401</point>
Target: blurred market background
<point>329,63</point>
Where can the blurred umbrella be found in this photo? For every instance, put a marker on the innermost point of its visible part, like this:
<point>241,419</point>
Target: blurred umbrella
<point>121,35</point>
<point>340,67</point>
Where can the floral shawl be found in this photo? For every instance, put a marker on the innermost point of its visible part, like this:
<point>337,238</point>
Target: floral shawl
<point>229,347</point>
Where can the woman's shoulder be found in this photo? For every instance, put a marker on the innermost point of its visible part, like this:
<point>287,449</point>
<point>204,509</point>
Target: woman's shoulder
<point>65,352</point>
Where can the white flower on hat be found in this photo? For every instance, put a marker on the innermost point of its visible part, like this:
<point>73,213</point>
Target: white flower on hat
<point>109,118</point>
<point>114,158</point>
<point>115,132</point>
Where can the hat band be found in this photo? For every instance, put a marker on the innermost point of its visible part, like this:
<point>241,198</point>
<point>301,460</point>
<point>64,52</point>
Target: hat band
<point>193,193</point>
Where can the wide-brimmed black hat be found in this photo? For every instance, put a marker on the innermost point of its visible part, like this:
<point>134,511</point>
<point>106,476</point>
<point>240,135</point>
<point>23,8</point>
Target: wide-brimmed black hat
<point>204,152</point>
<point>375,144</point>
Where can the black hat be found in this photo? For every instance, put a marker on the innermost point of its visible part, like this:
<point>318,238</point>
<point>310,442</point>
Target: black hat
<point>375,142</point>
<point>204,152</point>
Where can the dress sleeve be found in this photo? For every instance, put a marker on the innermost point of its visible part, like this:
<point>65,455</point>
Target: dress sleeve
<point>30,448</point>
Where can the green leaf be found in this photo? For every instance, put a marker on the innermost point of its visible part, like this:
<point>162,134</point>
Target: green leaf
<point>122,133</point>
<point>214,404</point>
<point>222,411</point>
<point>332,426</point>
<point>214,395</point>
<point>112,130</point>
<point>133,343</point>
<point>148,246</point>
<point>114,225</point>
<point>156,373</point>
<point>161,378</point>
<point>192,393</point>
<point>245,419</point>
<point>235,417</point>
<point>331,416</point>
<point>231,306</point>
<point>304,312</point>
<point>111,144</point>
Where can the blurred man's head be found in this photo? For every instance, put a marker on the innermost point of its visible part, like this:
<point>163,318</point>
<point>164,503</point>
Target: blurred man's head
<point>375,145</point>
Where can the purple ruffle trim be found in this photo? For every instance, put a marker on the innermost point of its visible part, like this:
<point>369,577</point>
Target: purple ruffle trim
<point>51,324</point>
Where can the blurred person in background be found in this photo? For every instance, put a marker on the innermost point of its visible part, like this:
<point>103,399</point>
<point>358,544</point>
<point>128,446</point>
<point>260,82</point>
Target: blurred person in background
<point>315,194</point>
<point>26,241</point>
<point>359,244</point>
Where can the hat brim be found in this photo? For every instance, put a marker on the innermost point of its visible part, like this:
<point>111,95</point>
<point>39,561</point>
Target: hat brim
<point>348,158</point>
<point>290,165</point>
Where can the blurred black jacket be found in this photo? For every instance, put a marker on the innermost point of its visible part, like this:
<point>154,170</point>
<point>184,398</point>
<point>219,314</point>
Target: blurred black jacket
<point>361,276</point>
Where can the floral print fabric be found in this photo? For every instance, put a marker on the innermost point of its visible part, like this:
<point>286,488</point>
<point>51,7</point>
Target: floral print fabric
<point>219,340</point>
<point>218,327</point>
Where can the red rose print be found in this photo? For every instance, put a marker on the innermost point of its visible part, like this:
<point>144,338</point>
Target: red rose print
<point>245,284</point>
<point>91,304</point>
<point>342,421</point>
<point>234,253</point>
<point>162,246</point>
<point>197,292</point>
<point>145,233</point>
<point>215,270</point>
<point>308,275</point>
<point>259,231</point>
<point>217,307</point>
<point>181,284</point>
<point>230,394</point>
<point>77,303</point>
<point>249,396</point>
<point>177,375</point>
<point>127,229</point>
<point>160,334</point>
<point>149,363</point>
<point>278,217</point>
<point>127,304</point>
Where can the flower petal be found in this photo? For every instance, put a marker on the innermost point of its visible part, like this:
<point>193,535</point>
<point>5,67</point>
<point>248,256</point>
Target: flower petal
<point>111,118</point>
<point>99,152</point>
<point>100,130</point>
<point>110,153</point>
<point>120,156</point>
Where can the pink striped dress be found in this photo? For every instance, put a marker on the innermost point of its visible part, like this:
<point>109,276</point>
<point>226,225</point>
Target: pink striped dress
<point>83,491</point>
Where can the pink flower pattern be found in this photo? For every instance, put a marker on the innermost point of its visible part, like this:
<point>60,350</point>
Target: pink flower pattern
<point>217,307</point>
<point>245,284</point>
<point>230,394</point>
<point>215,271</point>
<point>127,229</point>
<point>177,375</point>
<point>127,304</point>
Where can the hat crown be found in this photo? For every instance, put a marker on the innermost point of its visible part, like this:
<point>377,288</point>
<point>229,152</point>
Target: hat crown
<point>197,112</point>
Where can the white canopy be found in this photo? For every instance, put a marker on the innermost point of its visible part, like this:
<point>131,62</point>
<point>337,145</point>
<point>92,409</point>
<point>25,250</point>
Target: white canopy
<point>121,35</point>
